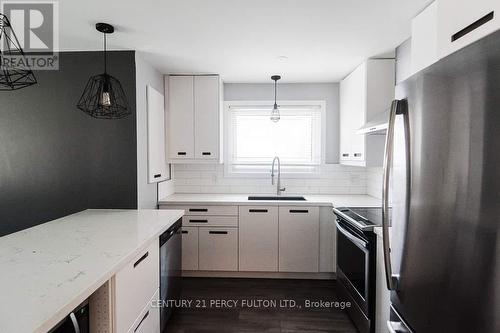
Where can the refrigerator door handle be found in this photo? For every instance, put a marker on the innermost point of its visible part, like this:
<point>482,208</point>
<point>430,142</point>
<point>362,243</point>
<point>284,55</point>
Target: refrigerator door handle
<point>388,156</point>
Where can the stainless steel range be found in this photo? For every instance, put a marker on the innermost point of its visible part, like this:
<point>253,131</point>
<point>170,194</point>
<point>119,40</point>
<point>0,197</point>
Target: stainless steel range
<point>356,262</point>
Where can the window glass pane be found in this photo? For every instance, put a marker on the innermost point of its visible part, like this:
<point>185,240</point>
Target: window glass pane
<point>254,139</point>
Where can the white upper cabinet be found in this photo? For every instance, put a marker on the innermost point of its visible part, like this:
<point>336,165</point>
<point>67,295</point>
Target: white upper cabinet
<point>193,121</point>
<point>206,115</point>
<point>463,22</point>
<point>181,117</point>
<point>366,92</point>
<point>157,161</point>
<point>424,39</point>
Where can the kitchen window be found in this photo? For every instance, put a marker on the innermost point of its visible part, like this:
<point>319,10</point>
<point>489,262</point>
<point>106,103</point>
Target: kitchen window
<point>253,140</point>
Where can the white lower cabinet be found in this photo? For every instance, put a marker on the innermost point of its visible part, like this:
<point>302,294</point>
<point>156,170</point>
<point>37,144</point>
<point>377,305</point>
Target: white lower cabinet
<point>218,249</point>
<point>298,239</point>
<point>258,239</point>
<point>134,285</point>
<point>190,248</point>
<point>149,319</point>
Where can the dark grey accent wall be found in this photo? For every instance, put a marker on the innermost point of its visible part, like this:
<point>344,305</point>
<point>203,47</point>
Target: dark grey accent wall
<point>54,159</point>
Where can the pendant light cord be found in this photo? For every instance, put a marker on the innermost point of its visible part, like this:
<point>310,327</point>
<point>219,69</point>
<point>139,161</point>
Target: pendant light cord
<point>105,60</point>
<point>275,82</point>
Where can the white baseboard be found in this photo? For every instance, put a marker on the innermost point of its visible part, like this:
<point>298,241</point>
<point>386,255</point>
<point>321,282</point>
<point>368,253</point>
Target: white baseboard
<point>260,275</point>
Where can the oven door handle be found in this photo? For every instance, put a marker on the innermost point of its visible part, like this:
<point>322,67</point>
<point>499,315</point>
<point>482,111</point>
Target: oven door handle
<point>352,238</point>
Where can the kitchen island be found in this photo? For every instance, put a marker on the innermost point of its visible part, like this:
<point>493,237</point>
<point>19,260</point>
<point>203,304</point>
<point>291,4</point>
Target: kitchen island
<point>48,270</point>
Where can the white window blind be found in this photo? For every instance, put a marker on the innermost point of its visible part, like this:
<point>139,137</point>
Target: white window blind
<point>254,140</point>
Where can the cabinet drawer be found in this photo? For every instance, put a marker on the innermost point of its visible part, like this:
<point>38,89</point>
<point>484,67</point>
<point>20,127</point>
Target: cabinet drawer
<point>206,210</point>
<point>149,319</point>
<point>212,221</point>
<point>258,239</point>
<point>190,248</point>
<point>134,285</point>
<point>218,249</point>
<point>298,239</point>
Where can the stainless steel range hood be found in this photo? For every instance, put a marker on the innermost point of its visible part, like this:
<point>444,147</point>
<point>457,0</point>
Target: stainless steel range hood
<point>375,125</point>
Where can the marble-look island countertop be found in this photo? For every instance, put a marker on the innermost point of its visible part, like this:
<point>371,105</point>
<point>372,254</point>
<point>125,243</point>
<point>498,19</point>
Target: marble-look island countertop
<point>349,200</point>
<point>48,270</point>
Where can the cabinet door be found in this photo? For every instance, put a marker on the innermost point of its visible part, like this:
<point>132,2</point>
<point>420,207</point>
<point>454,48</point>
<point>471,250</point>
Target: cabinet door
<point>149,319</point>
<point>206,115</point>
<point>352,114</point>
<point>135,284</point>
<point>345,143</point>
<point>298,239</point>
<point>424,49</point>
<point>463,22</point>
<point>189,248</point>
<point>218,249</point>
<point>357,111</point>
<point>157,161</point>
<point>258,239</point>
<point>181,117</point>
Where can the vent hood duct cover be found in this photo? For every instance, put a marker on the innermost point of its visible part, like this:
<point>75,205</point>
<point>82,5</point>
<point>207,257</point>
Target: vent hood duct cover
<point>376,125</point>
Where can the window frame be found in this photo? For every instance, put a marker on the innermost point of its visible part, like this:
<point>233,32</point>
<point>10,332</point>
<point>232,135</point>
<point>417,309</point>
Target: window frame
<point>316,170</point>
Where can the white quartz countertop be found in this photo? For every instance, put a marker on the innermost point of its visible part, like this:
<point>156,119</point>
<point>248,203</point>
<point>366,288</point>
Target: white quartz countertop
<point>48,270</point>
<point>242,199</point>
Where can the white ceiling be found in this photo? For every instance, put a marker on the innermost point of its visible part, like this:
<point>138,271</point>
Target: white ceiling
<point>242,40</point>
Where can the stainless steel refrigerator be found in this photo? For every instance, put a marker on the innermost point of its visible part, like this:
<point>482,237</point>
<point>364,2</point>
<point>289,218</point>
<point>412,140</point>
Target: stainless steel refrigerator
<point>443,163</point>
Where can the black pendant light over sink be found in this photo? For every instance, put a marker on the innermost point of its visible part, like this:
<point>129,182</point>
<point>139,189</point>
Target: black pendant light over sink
<point>275,113</point>
<point>15,73</point>
<point>103,96</point>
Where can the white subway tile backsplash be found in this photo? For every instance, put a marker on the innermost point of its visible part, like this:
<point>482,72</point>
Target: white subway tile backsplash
<point>333,179</point>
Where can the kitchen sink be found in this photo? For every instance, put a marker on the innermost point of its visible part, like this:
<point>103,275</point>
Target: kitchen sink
<point>275,197</point>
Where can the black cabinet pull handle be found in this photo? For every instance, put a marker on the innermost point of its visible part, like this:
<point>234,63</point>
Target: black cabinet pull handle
<point>198,209</point>
<point>185,231</point>
<point>357,154</point>
<point>181,153</point>
<point>473,26</point>
<point>157,175</point>
<point>198,221</point>
<point>141,259</point>
<point>140,323</point>
<point>218,232</point>
<point>345,155</point>
<point>206,153</point>
<point>257,210</point>
<point>299,211</point>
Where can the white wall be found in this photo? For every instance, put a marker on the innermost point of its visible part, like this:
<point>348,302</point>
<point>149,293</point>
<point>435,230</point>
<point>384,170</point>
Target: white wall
<point>145,75</point>
<point>328,92</point>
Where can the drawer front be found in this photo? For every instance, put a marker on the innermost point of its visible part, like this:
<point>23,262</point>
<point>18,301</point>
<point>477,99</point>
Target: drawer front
<point>148,320</point>
<point>212,221</point>
<point>134,285</point>
<point>206,210</point>
<point>218,249</point>
<point>190,248</point>
<point>258,239</point>
<point>298,239</point>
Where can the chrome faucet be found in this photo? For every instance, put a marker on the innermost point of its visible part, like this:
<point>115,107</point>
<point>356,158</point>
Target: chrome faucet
<point>278,185</point>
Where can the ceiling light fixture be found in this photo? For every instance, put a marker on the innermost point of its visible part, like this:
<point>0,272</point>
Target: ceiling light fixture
<point>15,72</point>
<point>275,113</point>
<point>103,96</point>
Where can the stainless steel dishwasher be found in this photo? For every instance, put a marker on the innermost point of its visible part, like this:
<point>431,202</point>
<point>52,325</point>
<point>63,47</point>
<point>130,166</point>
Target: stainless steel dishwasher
<point>170,270</point>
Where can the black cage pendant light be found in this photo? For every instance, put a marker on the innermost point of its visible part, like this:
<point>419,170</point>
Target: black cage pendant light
<point>103,96</point>
<point>275,113</point>
<point>15,73</point>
